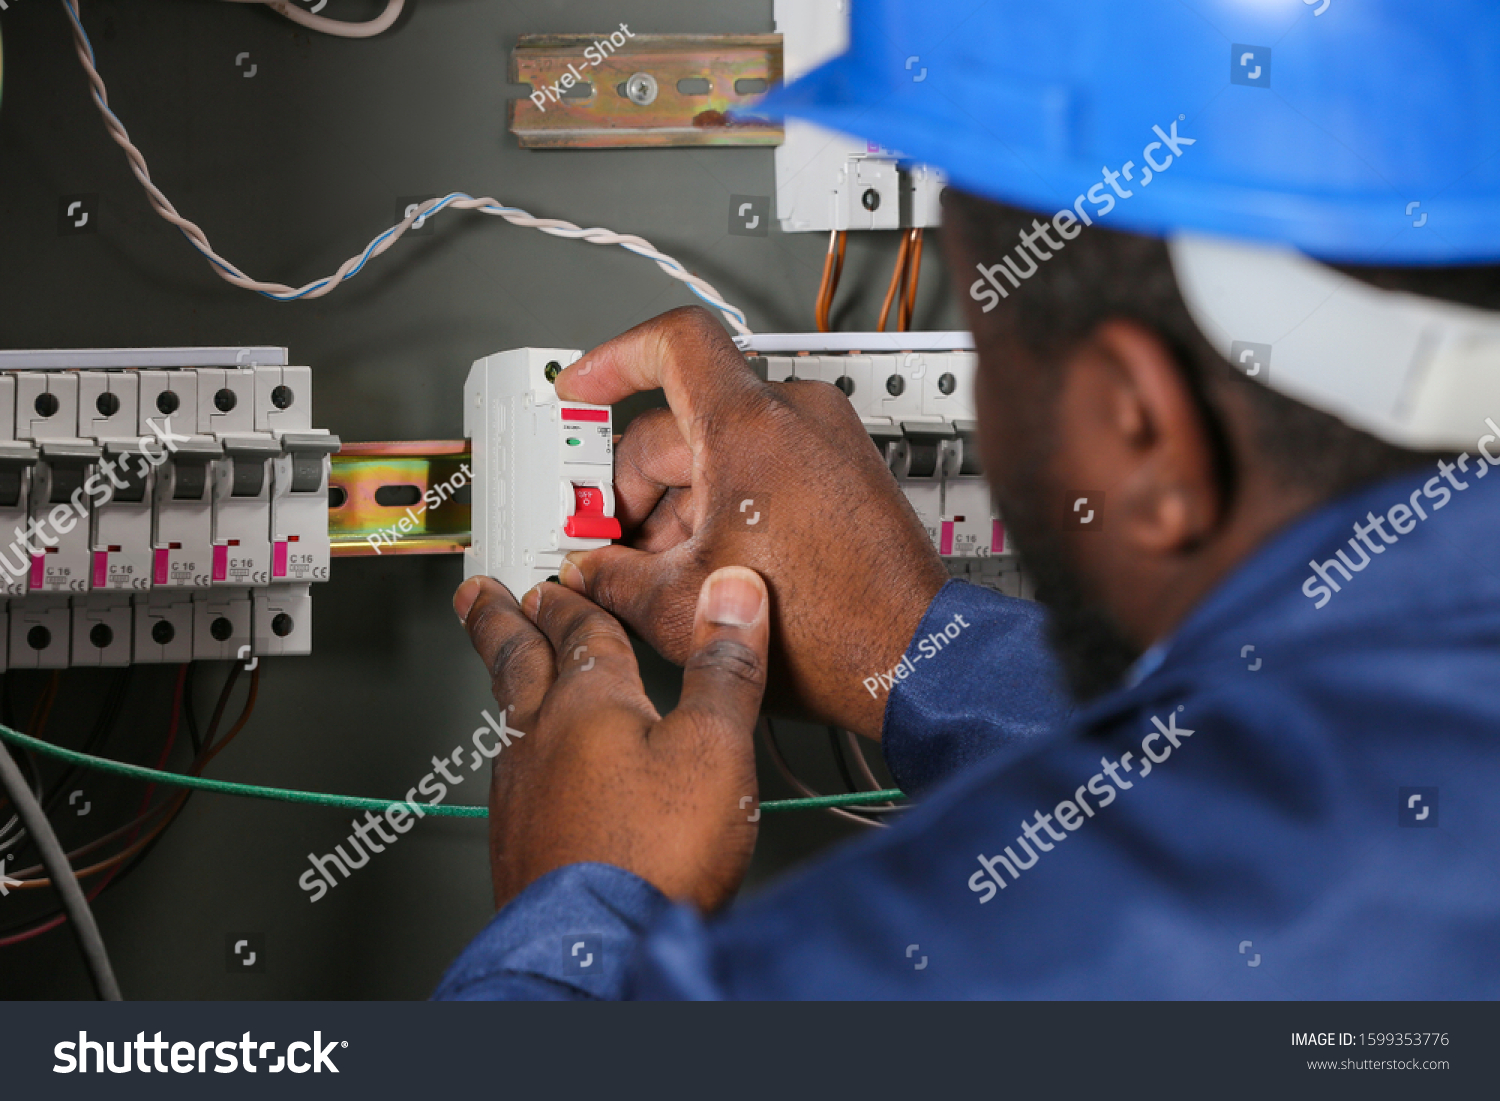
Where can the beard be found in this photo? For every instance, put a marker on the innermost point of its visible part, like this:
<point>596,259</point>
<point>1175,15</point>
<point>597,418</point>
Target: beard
<point>1094,652</point>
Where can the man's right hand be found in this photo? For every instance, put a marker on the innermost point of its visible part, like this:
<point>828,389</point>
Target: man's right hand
<point>779,477</point>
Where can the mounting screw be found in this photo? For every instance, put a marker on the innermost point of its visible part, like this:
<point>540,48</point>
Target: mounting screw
<point>895,385</point>
<point>640,89</point>
<point>107,403</point>
<point>225,400</point>
<point>282,625</point>
<point>846,384</point>
<point>162,632</point>
<point>552,370</point>
<point>46,404</point>
<point>281,397</point>
<point>101,635</point>
<point>167,402</point>
<point>221,628</point>
<point>870,199</point>
<point>947,383</point>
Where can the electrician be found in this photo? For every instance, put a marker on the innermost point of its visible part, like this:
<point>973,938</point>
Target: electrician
<point>1249,748</point>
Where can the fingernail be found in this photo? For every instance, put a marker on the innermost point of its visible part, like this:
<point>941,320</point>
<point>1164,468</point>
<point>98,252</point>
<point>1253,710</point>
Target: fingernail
<point>531,602</point>
<point>464,598</point>
<point>733,597</point>
<point>571,576</point>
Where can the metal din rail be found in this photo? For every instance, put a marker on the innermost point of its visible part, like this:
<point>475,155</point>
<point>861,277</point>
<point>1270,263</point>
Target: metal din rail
<point>408,497</point>
<point>599,90</point>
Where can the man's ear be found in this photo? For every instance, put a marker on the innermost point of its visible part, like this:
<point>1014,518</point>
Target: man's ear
<point>1129,425</point>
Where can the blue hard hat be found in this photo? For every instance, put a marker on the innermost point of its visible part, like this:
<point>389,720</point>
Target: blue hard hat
<point>1364,131</point>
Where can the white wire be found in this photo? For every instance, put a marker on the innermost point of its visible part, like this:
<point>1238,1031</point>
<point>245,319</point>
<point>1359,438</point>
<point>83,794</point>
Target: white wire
<point>337,27</point>
<point>351,267</point>
<point>15,820</point>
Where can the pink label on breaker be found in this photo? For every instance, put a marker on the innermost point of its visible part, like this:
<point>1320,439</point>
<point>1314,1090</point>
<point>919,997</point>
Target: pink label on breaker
<point>997,537</point>
<point>159,574</point>
<point>221,562</point>
<point>101,568</point>
<point>945,541</point>
<point>38,571</point>
<point>278,559</point>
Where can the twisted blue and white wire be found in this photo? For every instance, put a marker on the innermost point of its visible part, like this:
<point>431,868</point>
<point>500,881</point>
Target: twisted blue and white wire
<point>351,267</point>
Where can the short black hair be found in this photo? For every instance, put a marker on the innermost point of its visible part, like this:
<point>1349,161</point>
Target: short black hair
<point>1107,273</point>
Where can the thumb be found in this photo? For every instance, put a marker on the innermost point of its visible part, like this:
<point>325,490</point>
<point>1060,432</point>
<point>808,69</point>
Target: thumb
<point>724,676</point>
<point>639,588</point>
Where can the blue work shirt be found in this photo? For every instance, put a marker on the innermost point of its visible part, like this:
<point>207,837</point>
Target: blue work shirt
<point>1310,809</point>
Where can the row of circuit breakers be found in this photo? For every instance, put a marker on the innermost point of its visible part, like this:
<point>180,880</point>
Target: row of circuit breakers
<point>543,467</point>
<point>180,512</point>
<point>158,514</point>
<point>919,409</point>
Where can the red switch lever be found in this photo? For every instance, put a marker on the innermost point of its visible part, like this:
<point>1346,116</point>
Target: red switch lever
<point>588,520</point>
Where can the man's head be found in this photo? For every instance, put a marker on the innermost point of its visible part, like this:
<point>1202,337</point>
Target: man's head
<point>1098,393</point>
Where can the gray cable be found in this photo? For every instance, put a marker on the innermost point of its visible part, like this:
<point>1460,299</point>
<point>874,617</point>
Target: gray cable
<point>61,873</point>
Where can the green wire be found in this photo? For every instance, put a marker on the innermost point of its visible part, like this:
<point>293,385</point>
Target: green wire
<point>849,799</point>
<point>355,802</point>
<point>226,787</point>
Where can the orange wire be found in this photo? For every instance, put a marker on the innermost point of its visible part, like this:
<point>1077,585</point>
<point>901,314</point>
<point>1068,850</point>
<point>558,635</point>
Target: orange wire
<point>909,291</point>
<point>820,306</point>
<point>836,244</point>
<point>896,280</point>
<point>905,280</point>
<point>838,267</point>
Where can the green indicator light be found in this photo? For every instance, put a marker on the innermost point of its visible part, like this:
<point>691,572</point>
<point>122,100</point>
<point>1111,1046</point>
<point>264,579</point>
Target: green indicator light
<point>574,441</point>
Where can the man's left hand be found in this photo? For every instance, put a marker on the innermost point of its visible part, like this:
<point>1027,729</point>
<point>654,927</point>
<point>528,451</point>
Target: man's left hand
<point>599,775</point>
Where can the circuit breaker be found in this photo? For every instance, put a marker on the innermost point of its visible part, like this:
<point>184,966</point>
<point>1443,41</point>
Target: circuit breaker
<point>182,504</point>
<point>17,460</point>
<point>120,542</point>
<point>543,469</point>
<point>241,553</point>
<point>299,474</point>
<point>969,527</point>
<point>56,535</point>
